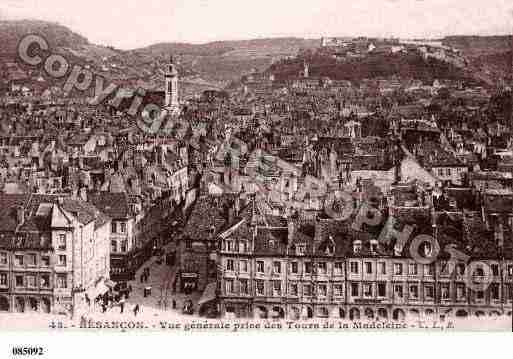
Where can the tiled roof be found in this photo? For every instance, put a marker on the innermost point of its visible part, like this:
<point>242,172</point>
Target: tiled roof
<point>207,217</point>
<point>114,205</point>
<point>38,209</point>
<point>498,203</point>
<point>9,202</point>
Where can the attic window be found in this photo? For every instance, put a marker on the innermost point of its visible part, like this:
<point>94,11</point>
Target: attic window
<point>330,249</point>
<point>19,241</point>
<point>357,246</point>
<point>301,249</point>
<point>374,246</point>
<point>427,249</point>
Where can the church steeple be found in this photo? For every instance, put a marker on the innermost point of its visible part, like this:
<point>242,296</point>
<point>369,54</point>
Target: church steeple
<point>171,76</point>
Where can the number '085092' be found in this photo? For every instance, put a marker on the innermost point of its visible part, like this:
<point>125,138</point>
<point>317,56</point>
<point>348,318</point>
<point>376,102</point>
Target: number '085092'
<point>27,351</point>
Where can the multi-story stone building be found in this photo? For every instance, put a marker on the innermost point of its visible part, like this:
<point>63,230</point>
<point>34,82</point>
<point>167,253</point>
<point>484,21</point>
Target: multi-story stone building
<point>327,269</point>
<point>123,247</point>
<point>206,217</point>
<point>53,250</point>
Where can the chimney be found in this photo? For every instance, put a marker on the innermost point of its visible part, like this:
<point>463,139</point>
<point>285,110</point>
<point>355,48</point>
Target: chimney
<point>83,194</point>
<point>499,234</point>
<point>291,230</point>
<point>20,215</point>
<point>231,214</point>
<point>236,206</point>
<point>321,229</point>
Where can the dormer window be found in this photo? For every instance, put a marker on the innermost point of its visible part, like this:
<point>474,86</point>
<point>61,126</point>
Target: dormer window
<point>300,249</point>
<point>357,246</point>
<point>374,246</point>
<point>397,251</point>
<point>427,249</point>
<point>330,246</point>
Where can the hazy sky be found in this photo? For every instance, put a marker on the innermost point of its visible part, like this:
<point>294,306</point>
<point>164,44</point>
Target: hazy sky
<point>134,23</point>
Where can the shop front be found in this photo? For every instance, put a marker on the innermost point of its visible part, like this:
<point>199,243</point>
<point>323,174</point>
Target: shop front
<point>188,282</point>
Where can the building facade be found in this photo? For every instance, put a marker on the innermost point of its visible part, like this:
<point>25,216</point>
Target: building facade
<point>122,238</point>
<point>53,251</point>
<point>271,274</point>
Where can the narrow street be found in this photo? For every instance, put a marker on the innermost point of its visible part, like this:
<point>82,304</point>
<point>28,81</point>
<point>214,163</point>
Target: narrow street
<point>159,303</point>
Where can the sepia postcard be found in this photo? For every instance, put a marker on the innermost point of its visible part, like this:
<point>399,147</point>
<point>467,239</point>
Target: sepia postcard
<point>233,166</point>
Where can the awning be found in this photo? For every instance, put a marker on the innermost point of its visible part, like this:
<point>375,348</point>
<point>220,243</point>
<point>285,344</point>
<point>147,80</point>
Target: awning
<point>209,293</point>
<point>189,275</point>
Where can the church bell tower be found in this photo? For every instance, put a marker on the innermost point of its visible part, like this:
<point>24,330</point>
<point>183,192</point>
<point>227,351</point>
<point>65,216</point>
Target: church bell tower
<point>171,76</point>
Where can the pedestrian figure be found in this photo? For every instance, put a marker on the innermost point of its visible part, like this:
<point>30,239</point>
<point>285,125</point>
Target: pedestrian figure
<point>104,308</point>
<point>88,300</point>
<point>174,304</point>
<point>122,305</point>
<point>136,309</point>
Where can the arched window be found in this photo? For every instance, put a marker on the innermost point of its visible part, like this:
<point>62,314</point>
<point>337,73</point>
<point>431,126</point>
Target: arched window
<point>278,312</point>
<point>382,313</point>
<point>33,304</point>
<point>429,313</point>
<point>398,314</point>
<point>354,314</point>
<point>369,313</point>
<point>461,313</point>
